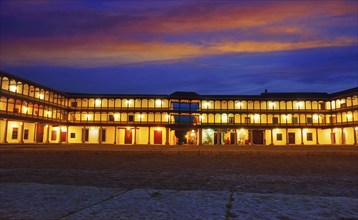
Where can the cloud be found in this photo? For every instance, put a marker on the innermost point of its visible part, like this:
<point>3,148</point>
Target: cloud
<point>107,53</point>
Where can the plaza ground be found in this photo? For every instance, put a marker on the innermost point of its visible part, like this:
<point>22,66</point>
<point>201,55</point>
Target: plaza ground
<point>178,182</point>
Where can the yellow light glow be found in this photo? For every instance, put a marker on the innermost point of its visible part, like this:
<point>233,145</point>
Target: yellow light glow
<point>116,116</point>
<point>24,109</point>
<point>192,131</point>
<point>224,117</point>
<point>98,102</point>
<point>88,117</point>
<point>158,102</point>
<point>201,117</point>
<point>46,126</point>
<point>20,123</point>
<point>335,130</point>
<point>256,117</point>
<point>349,116</point>
<point>140,116</point>
<point>299,104</point>
<point>63,129</point>
<point>167,116</point>
<point>315,117</point>
<point>55,128</point>
<point>92,128</point>
<point>192,134</point>
<point>48,114</point>
<point>41,96</point>
<point>271,104</point>
<point>128,128</point>
<point>158,129</point>
<point>238,104</point>
<point>128,102</point>
<point>13,88</point>
<point>206,105</point>
<point>356,128</point>
<point>241,130</point>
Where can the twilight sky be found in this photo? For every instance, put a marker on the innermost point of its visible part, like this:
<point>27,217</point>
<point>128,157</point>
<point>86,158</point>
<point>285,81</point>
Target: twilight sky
<point>158,47</point>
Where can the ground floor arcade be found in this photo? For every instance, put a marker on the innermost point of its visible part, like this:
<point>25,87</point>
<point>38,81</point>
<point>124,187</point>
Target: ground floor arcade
<point>14,131</point>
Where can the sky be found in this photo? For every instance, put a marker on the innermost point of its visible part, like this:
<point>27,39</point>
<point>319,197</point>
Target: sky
<point>159,47</point>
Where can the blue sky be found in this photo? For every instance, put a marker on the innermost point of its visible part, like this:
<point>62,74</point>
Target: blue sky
<point>158,47</point>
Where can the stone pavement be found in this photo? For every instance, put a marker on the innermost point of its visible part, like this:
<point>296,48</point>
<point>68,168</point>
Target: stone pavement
<point>43,201</point>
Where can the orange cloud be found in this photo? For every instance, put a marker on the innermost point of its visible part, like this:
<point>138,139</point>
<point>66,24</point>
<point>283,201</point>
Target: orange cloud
<point>229,17</point>
<point>117,53</point>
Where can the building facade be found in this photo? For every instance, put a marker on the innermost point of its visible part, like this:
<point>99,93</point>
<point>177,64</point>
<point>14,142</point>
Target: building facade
<point>32,113</point>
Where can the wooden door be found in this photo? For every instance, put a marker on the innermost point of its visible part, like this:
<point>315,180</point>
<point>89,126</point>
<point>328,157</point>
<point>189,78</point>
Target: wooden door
<point>233,138</point>
<point>258,137</point>
<point>291,138</point>
<point>157,137</point>
<point>128,136</point>
<point>40,133</point>
<point>333,138</point>
<point>63,136</point>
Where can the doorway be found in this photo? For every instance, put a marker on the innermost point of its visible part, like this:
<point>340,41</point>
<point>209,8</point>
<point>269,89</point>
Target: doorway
<point>128,139</point>
<point>291,138</point>
<point>157,137</point>
<point>40,133</point>
<point>63,136</point>
<point>233,138</point>
<point>258,137</point>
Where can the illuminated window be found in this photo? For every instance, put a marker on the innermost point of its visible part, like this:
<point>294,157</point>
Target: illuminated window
<point>294,120</point>
<point>279,137</point>
<point>14,133</point>
<point>309,137</point>
<point>309,120</point>
<point>13,88</point>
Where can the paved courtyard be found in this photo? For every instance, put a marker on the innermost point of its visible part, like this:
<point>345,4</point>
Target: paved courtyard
<point>110,182</point>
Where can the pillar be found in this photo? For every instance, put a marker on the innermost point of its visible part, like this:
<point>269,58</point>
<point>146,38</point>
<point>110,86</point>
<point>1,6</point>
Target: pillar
<point>22,132</point>
<point>317,139</point>
<point>149,135</point>
<point>343,139</point>
<point>83,134</point>
<point>35,132</point>
<point>218,138</point>
<point>48,135</point>
<point>287,136</point>
<point>167,134</point>
<point>251,136</point>
<point>355,135</point>
<point>5,136</point>
<point>302,143</point>
<point>135,135</point>
<point>67,133</point>
<point>115,135</point>
<point>100,135</point>
<point>200,136</point>
<point>272,144</point>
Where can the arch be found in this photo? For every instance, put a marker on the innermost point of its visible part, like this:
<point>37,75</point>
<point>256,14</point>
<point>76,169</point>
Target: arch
<point>3,103</point>
<point>5,83</point>
<point>19,87</point>
<point>10,105</point>
<point>26,89</point>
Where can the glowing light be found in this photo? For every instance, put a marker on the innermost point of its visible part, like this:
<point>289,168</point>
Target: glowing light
<point>128,102</point>
<point>315,117</point>
<point>13,88</point>
<point>98,102</point>
<point>299,105</point>
<point>48,114</point>
<point>116,116</point>
<point>201,117</point>
<point>140,116</point>
<point>88,117</point>
<point>349,116</point>
<point>24,109</point>
<point>335,130</point>
<point>20,123</point>
<point>238,104</point>
<point>63,129</point>
<point>41,96</point>
<point>256,117</point>
<point>128,128</point>
<point>55,128</point>
<point>224,117</point>
<point>92,128</point>
<point>46,126</point>
<point>356,128</point>
<point>206,105</point>
<point>158,129</point>
<point>271,104</point>
<point>158,102</point>
<point>167,116</point>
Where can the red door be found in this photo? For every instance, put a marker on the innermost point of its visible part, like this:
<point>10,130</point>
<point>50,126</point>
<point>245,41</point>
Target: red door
<point>128,136</point>
<point>157,137</point>
<point>40,133</point>
<point>63,136</point>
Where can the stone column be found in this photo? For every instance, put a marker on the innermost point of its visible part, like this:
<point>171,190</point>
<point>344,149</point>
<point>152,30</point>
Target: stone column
<point>272,144</point>
<point>135,135</point>
<point>5,135</point>
<point>200,136</point>
<point>317,139</point>
<point>302,143</point>
<point>167,134</point>
<point>115,135</point>
<point>149,135</point>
